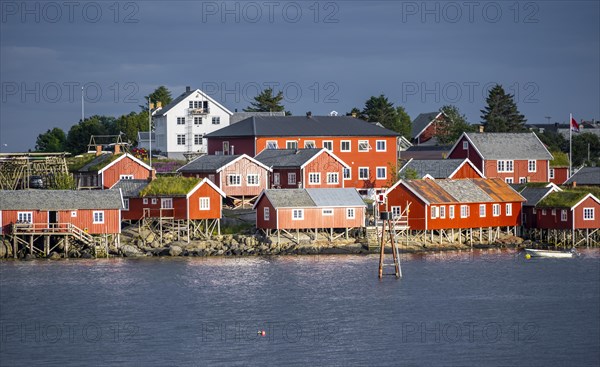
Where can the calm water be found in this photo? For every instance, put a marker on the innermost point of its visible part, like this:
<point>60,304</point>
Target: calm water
<point>454,309</point>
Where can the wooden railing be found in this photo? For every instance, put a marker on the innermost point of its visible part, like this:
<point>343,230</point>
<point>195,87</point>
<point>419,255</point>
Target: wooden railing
<point>52,228</point>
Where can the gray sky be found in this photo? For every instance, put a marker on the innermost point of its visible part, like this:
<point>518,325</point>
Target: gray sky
<point>325,56</point>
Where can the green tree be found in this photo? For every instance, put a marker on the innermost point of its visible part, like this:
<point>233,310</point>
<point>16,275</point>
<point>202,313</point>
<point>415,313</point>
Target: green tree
<point>131,124</point>
<point>553,140</point>
<point>404,124</point>
<point>79,135</point>
<point>581,144</point>
<point>379,109</point>
<point>453,125</point>
<point>265,101</point>
<point>409,174</point>
<point>501,113</point>
<point>51,141</point>
<point>62,181</point>
<point>160,94</point>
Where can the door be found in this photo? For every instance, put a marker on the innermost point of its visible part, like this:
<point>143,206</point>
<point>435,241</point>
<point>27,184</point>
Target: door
<point>225,148</point>
<point>52,219</point>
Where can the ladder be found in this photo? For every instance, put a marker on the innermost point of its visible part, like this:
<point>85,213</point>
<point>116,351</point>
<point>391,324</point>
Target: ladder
<point>386,220</point>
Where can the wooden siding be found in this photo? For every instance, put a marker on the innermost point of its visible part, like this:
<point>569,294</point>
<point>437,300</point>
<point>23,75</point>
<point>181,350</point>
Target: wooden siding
<point>431,130</point>
<point>520,170</point>
<point>83,219</point>
<point>283,178</point>
<point>243,145</point>
<point>244,167</point>
<point>313,218</point>
<point>324,164</point>
<point>126,166</point>
<point>260,219</point>
<point>561,175</point>
<point>215,203</point>
<point>546,219</point>
<point>466,171</point>
<point>471,153</point>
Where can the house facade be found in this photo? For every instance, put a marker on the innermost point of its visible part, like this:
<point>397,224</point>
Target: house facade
<point>368,149</point>
<point>181,125</point>
<point>440,169</point>
<point>236,175</point>
<point>426,126</point>
<point>568,210</point>
<point>513,157</point>
<point>297,168</point>
<point>107,169</point>
<point>533,195</point>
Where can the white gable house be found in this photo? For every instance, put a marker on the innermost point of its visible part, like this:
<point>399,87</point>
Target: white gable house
<point>181,125</point>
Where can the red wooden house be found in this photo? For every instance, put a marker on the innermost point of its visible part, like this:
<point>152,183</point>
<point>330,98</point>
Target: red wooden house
<point>513,157</point>
<point>569,210</point>
<point>426,126</point>
<point>107,169</point>
<point>455,204</point>
<point>533,195</point>
<point>440,169</point>
<point>309,209</point>
<point>369,150</point>
<point>236,175</point>
<point>310,168</point>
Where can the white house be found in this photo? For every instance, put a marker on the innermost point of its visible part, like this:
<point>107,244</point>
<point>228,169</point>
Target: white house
<point>181,125</point>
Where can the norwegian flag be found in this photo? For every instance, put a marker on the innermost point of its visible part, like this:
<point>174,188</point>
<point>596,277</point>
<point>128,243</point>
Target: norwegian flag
<point>574,125</point>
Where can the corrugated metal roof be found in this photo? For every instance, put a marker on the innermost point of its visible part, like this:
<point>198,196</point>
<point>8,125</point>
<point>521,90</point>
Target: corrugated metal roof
<point>586,176</point>
<point>208,163</point>
<point>301,126</point>
<point>59,199</point>
<point>509,146</point>
<point>437,168</point>
<point>430,191</point>
<point>285,158</point>
<point>336,197</point>
<point>130,188</point>
<point>289,198</point>
<point>465,191</point>
<point>497,189</point>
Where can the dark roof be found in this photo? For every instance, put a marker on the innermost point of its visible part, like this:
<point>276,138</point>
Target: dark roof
<point>306,198</point>
<point>425,152</point>
<point>436,168</point>
<point>175,102</point>
<point>586,176</point>
<point>301,126</point>
<point>533,195</point>
<point>208,163</point>
<point>421,122</point>
<point>239,116</point>
<point>98,163</point>
<point>509,146</point>
<point>289,198</point>
<point>59,199</point>
<point>282,158</point>
<point>130,188</point>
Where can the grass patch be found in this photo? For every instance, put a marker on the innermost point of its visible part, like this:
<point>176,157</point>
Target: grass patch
<point>561,159</point>
<point>77,162</point>
<point>170,186</point>
<point>237,228</point>
<point>567,198</point>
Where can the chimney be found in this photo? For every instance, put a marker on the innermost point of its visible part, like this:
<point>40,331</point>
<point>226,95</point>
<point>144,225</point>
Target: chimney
<point>98,150</point>
<point>158,104</point>
<point>480,128</point>
<point>152,175</point>
<point>117,149</point>
<point>574,184</point>
<point>188,89</point>
<point>309,114</point>
<point>353,114</point>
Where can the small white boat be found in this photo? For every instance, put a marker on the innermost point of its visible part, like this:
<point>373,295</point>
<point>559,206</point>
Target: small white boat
<point>550,253</point>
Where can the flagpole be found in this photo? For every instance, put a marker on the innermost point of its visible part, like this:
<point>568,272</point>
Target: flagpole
<point>150,131</point>
<point>570,144</point>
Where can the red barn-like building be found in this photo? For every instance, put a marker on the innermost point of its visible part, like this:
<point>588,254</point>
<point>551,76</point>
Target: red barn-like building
<point>569,210</point>
<point>107,169</point>
<point>426,126</point>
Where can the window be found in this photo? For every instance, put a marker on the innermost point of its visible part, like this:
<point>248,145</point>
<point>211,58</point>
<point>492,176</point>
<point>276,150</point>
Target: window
<point>197,139</point>
<point>588,213</point>
<point>464,211</point>
<point>297,214</point>
<point>534,211</point>
<point>328,144</point>
<point>553,211</point>
<point>434,212</point>
<point>442,212</point>
<point>309,144</point>
<point>363,145</point>
<point>396,211</point>
<point>345,145</point>
<point>225,147</point>
<point>496,210</point>
<point>291,144</point>
<point>381,173</point>
<point>465,145</point>
<point>180,139</point>
<point>276,179</point>
<point>166,203</point>
<point>252,179</point>
<point>181,121</point>
<point>291,178</point>
<point>314,178</point>
<point>481,210</point>
<point>543,211</point>
<point>74,212</point>
<point>363,173</point>
<point>198,120</point>
<point>327,212</point>
<point>531,166</point>
<point>98,217</point>
<point>505,166</point>
<point>154,201</point>
<point>216,120</point>
<point>563,215</point>
<point>234,180</point>
<point>204,203</point>
<point>451,211</point>
<point>125,177</point>
<point>211,177</point>
<point>347,174</point>
<point>350,213</point>
<point>551,172</point>
<point>522,180</point>
<point>509,180</point>
<point>145,201</point>
<point>24,217</point>
<point>508,209</point>
<point>333,178</point>
<point>125,206</point>
<point>380,145</point>
<point>266,213</point>
<point>271,144</point>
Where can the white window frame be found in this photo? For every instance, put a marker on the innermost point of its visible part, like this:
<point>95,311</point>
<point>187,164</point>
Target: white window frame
<point>326,143</point>
<point>508,209</point>
<point>434,212</point>
<point>464,211</point>
<point>266,213</point>
<point>125,177</point>
<point>496,210</point>
<point>333,178</point>
<point>272,144</point>
<point>292,179</point>
<point>451,211</point>
<point>297,214</point>
<point>482,211</point>
<point>589,214</point>
<point>383,147</point>
<point>349,172</point>
<point>350,213</point>
<point>505,166</point>
<point>154,201</point>
<point>204,203</point>
<point>363,146</point>
<point>252,179</point>
<point>74,212</point>
<point>554,212</point>
<point>544,212</point>
<point>197,120</point>
<point>276,178</point>
<point>198,139</point>
<point>378,176</point>
<point>522,179</point>
<point>309,144</point>
<point>166,203</point>
<point>551,173</point>
<point>349,146</point>
<point>465,145</point>
<point>327,212</point>
<point>216,120</point>
<point>291,144</point>
<point>180,120</point>
<point>234,180</point>
<point>531,165</point>
<point>396,211</point>
<point>509,180</point>
<point>314,178</point>
<point>563,215</point>
<point>125,206</point>
<point>360,175</point>
<point>25,217</point>
<point>442,212</point>
<point>180,139</point>
<point>145,201</point>
<point>98,217</point>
